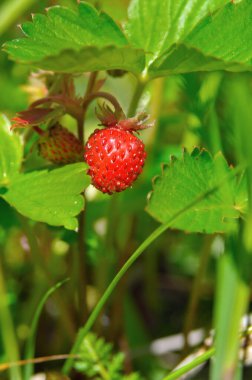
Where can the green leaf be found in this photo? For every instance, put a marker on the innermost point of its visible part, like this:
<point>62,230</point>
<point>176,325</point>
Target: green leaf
<point>53,197</point>
<point>91,59</point>
<point>226,35</point>
<point>192,35</point>
<point>155,27</point>
<point>212,45</point>
<point>10,152</point>
<point>182,181</point>
<point>69,41</point>
<point>181,59</point>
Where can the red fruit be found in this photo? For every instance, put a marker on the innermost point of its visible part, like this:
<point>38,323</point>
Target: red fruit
<point>60,146</point>
<point>115,157</point>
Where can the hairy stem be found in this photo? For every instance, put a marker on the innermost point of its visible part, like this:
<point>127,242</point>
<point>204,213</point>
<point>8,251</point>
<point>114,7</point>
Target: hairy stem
<point>105,95</point>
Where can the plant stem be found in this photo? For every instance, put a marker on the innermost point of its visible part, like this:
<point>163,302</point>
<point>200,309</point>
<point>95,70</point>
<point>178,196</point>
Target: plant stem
<point>82,267</point>
<point>196,290</point>
<point>82,270</point>
<point>41,265</point>
<point>30,345</point>
<point>91,83</point>
<point>177,373</point>
<point>7,330</point>
<point>136,98</point>
<point>106,95</point>
<point>42,359</point>
<point>155,234</point>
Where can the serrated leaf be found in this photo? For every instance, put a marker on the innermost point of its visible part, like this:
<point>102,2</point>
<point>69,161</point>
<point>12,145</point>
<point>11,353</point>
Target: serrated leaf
<point>92,59</point>
<point>53,197</point>
<point>69,41</point>
<point>156,26</point>
<point>10,152</point>
<point>226,35</point>
<point>182,181</point>
<point>192,35</point>
<point>181,59</point>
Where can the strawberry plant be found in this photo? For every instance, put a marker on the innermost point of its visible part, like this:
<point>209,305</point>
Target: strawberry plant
<point>125,189</point>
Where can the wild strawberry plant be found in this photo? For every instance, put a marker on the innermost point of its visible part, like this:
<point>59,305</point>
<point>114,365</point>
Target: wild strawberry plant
<point>53,149</point>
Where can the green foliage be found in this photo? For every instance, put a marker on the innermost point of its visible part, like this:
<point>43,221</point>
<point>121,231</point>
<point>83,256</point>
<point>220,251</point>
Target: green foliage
<point>98,361</point>
<point>69,41</point>
<point>156,28</point>
<point>178,37</point>
<point>182,181</point>
<point>203,41</point>
<point>197,192</point>
<point>53,197</point>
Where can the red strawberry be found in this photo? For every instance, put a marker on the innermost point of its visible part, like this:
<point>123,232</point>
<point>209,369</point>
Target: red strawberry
<point>60,146</point>
<point>115,155</point>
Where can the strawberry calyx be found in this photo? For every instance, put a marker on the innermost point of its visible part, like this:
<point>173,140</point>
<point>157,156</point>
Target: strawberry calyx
<point>117,119</point>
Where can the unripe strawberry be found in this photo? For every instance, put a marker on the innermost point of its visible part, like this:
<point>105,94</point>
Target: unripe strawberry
<point>60,146</point>
<point>114,154</point>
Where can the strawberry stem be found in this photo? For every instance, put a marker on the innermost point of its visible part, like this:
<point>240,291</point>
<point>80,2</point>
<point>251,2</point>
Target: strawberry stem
<point>107,96</point>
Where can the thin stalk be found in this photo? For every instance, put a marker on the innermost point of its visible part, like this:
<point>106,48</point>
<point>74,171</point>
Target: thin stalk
<point>151,260</point>
<point>7,330</point>
<point>91,83</point>
<point>105,95</point>
<point>118,299</point>
<point>82,267</point>
<point>152,237</point>
<point>136,98</point>
<point>30,345</point>
<point>177,373</point>
<point>82,270</point>
<point>41,265</point>
<point>191,311</point>
<point>42,359</point>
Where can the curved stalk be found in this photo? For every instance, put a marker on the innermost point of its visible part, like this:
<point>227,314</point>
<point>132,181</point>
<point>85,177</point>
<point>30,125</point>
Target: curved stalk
<point>155,234</point>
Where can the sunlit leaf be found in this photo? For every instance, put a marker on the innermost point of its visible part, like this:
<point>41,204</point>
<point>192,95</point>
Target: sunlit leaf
<point>182,181</point>
<point>53,197</point>
<point>69,41</point>
<point>156,26</point>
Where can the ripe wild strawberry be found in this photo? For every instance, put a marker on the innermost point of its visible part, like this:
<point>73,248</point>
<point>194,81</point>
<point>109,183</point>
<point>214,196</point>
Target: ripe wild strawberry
<point>115,155</point>
<point>60,146</point>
